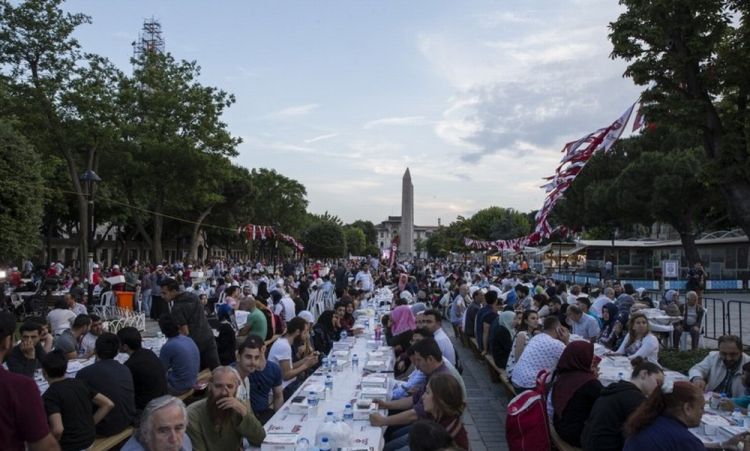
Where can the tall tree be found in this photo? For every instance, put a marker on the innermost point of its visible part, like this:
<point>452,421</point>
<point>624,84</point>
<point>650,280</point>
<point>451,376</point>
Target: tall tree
<point>356,243</point>
<point>21,196</point>
<point>324,240</point>
<point>175,137</point>
<point>694,56</point>
<point>496,223</point>
<point>56,90</point>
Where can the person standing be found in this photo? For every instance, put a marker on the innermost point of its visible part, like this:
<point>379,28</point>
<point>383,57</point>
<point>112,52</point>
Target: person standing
<point>158,306</point>
<point>190,317</point>
<point>696,280</point>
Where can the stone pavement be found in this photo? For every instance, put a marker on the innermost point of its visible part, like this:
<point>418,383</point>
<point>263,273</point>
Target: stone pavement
<point>484,417</point>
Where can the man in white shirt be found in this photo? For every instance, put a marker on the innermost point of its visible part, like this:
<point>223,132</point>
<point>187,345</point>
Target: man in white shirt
<point>60,318</point>
<point>364,278</point>
<point>75,307</point>
<point>542,353</point>
<point>583,325</point>
<point>599,303</point>
<point>432,320</point>
<point>283,305</point>
<point>281,353</point>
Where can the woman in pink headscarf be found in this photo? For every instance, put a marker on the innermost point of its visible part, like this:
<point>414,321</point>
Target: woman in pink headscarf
<point>403,279</point>
<point>402,320</point>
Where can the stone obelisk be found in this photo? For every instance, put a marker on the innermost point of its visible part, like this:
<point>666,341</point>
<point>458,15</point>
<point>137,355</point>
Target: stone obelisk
<point>406,234</point>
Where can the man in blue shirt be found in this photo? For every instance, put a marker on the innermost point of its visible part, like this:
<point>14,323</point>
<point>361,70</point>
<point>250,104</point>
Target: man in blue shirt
<point>259,378</point>
<point>180,357</point>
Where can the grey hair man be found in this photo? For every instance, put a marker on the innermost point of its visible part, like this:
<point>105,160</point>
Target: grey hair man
<point>163,427</point>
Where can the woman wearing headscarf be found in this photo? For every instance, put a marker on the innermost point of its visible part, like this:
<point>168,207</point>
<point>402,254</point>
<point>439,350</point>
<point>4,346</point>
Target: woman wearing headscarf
<point>324,333</point>
<point>575,389</point>
<point>402,322</point>
<point>226,342</point>
<point>500,341</point>
<point>608,336</point>
<point>263,293</point>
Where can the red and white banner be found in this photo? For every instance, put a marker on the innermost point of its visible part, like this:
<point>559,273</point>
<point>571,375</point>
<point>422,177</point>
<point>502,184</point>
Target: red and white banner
<point>257,232</point>
<point>576,155</point>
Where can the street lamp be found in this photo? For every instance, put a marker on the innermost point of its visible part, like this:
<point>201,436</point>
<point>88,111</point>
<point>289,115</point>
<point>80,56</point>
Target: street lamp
<point>90,178</point>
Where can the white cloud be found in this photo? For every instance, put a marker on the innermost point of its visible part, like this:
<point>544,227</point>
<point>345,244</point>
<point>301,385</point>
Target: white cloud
<point>321,138</point>
<point>528,88</point>
<point>396,121</point>
<point>294,111</point>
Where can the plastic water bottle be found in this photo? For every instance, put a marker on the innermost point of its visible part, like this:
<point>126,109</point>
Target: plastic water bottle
<point>343,335</point>
<point>329,382</point>
<point>746,422</point>
<point>619,376</point>
<point>355,360</point>
<point>330,418</point>
<point>348,414</point>
<point>378,332</point>
<point>312,401</point>
<point>324,444</point>
<point>737,417</point>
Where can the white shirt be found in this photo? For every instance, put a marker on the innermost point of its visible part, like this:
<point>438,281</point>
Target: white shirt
<point>365,278</point>
<point>599,304</point>
<point>445,345</point>
<point>88,343</point>
<point>281,350</point>
<point>79,309</point>
<point>648,348</point>
<point>542,352</point>
<point>60,319</point>
<point>288,308</point>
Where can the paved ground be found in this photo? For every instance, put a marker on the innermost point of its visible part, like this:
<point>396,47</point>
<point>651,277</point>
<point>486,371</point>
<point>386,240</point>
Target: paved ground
<point>485,416</point>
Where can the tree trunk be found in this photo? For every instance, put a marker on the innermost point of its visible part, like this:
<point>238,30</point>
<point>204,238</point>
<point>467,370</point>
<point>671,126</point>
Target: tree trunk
<point>737,195</point>
<point>156,245</point>
<point>689,247</point>
<point>193,257</point>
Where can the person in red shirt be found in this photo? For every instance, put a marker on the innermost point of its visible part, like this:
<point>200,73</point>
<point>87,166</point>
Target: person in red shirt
<point>23,421</point>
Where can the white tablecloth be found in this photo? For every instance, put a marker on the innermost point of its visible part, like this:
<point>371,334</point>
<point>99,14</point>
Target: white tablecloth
<point>346,389</point>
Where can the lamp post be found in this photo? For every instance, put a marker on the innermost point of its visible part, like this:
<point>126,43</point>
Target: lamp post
<point>90,178</point>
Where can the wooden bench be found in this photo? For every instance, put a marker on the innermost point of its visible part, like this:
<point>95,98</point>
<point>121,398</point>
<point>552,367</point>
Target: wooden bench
<point>113,441</point>
<point>499,375</point>
<point>559,443</point>
<point>475,348</point>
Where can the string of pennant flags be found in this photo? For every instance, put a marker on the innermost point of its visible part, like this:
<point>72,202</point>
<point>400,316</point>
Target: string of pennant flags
<point>258,232</point>
<point>575,156</point>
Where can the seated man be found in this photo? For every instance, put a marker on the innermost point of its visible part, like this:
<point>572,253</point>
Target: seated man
<point>428,359</point>
<point>281,354</point>
<point>180,357</point>
<point>163,427</point>
<point>542,352</point>
<point>721,371</point>
<point>88,344</point>
<point>220,421</point>
<point>69,340</point>
<point>26,357</point>
<point>432,320</point>
<point>262,377</point>
<point>586,326</point>
<point>68,403</point>
<point>149,375</point>
<point>110,378</point>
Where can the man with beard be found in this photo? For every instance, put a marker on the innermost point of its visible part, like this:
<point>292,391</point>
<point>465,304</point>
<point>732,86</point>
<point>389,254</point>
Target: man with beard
<point>721,371</point>
<point>221,421</point>
<point>283,350</point>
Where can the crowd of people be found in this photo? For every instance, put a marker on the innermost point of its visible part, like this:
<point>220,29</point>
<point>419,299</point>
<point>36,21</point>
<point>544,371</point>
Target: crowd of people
<point>261,330</point>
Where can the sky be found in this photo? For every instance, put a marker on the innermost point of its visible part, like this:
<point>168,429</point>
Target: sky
<point>476,97</point>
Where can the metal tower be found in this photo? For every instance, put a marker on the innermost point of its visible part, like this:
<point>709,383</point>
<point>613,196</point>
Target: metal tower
<point>149,39</point>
